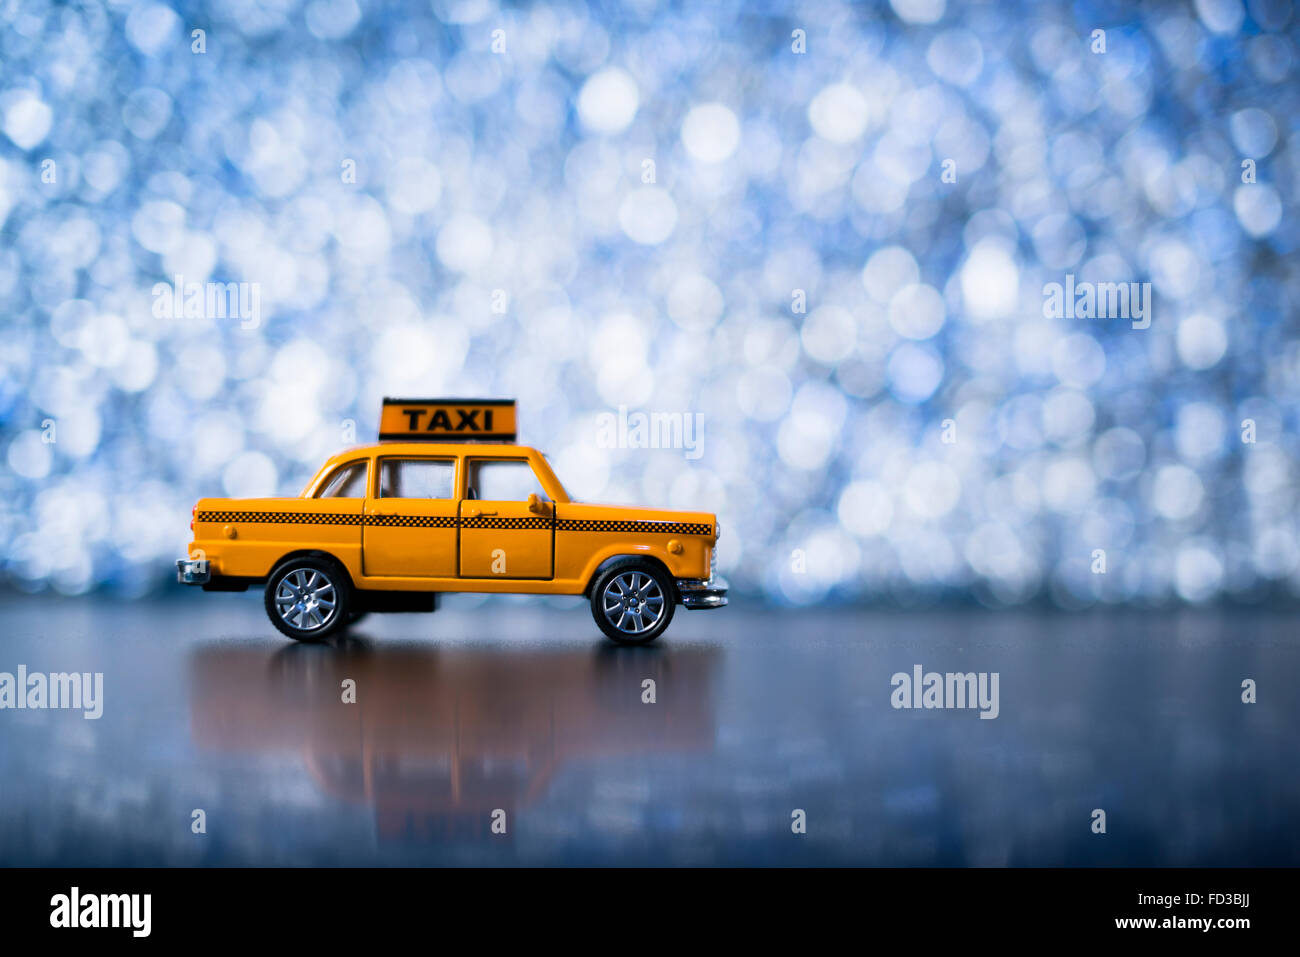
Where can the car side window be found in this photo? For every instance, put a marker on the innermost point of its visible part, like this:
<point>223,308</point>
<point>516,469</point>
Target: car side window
<point>417,478</point>
<point>503,480</point>
<point>347,482</point>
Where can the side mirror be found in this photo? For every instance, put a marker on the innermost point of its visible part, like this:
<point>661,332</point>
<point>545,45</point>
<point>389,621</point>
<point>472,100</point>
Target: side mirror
<point>536,505</point>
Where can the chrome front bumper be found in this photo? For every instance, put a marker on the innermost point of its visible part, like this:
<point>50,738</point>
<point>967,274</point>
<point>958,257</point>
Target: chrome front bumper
<point>702,594</point>
<point>192,571</point>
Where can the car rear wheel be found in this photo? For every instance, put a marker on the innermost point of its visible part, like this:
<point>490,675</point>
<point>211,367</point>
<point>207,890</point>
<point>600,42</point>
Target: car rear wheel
<point>633,602</point>
<point>309,599</point>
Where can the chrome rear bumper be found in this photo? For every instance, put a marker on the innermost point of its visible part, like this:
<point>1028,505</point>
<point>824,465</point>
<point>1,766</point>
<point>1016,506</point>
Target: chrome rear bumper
<point>192,571</point>
<point>702,594</point>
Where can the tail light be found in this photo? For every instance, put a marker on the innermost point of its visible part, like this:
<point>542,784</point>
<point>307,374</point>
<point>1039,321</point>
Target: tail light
<point>193,512</point>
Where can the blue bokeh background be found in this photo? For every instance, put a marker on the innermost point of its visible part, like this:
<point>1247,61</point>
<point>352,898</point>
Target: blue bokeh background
<point>671,208</point>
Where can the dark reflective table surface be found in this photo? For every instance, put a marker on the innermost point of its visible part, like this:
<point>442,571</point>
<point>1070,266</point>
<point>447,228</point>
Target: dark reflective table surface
<point>521,714</point>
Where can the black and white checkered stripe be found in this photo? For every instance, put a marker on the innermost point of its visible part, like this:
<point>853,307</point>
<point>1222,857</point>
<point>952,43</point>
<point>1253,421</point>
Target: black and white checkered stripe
<point>283,518</point>
<point>484,521</point>
<point>449,521</point>
<point>639,528</point>
<point>412,521</point>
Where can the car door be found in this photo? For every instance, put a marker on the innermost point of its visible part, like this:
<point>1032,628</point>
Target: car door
<point>507,522</point>
<point>410,523</point>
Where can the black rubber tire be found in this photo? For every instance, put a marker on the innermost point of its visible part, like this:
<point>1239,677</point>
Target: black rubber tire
<point>636,566</point>
<point>339,616</point>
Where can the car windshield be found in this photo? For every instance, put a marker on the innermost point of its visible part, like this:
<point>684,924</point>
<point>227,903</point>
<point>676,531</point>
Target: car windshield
<point>348,481</point>
<point>545,472</point>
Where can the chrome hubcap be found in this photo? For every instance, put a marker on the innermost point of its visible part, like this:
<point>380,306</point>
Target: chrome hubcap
<point>633,602</point>
<point>306,599</point>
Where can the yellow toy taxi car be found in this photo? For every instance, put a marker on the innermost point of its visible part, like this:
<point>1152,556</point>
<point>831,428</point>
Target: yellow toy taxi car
<point>446,502</point>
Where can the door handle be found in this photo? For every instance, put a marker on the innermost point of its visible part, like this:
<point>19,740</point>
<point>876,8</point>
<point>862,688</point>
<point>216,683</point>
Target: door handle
<point>471,512</point>
<point>485,512</point>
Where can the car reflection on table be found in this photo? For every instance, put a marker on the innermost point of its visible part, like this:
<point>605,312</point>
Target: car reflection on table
<point>437,740</point>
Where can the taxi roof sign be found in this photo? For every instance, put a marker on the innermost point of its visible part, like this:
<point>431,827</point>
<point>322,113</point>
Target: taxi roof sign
<point>448,420</point>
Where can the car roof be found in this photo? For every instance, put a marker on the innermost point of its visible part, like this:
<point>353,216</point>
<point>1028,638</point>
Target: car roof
<point>490,450</point>
<point>434,449</point>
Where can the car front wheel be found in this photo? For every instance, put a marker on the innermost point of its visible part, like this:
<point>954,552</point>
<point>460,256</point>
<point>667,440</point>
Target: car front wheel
<point>308,598</point>
<point>632,602</point>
